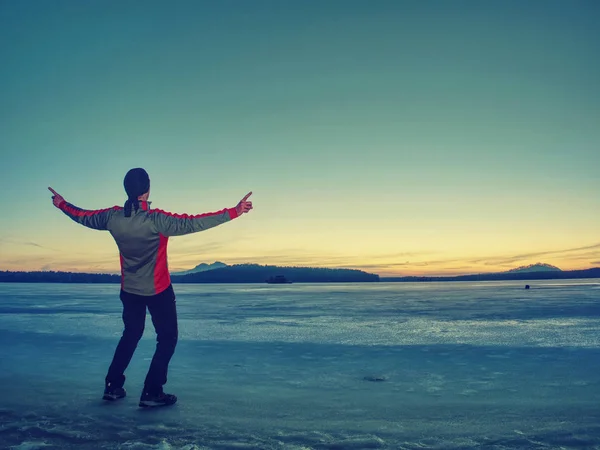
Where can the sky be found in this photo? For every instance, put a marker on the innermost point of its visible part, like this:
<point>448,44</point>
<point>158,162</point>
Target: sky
<point>396,137</point>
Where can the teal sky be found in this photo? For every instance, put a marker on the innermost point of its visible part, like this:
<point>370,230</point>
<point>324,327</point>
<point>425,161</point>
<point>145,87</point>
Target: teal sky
<point>397,136</point>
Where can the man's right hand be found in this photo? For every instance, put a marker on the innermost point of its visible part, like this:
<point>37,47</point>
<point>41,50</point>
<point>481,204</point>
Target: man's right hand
<point>57,199</point>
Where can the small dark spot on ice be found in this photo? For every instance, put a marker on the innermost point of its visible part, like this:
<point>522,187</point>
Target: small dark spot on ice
<point>375,378</point>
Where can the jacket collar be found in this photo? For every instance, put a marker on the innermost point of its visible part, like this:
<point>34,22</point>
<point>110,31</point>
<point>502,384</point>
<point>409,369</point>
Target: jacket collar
<point>143,206</point>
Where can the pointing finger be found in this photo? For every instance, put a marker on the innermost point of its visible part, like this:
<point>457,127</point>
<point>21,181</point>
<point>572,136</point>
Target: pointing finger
<point>53,191</point>
<point>247,195</point>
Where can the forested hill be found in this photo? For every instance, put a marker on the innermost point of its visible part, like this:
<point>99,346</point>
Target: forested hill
<point>255,273</point>
<point>244,273</point>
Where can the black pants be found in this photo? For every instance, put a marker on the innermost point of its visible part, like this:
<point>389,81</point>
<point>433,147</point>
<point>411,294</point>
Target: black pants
<point>164,317</point>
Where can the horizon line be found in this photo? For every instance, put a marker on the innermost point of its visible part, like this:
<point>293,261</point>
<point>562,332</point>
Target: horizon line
<point>179,273</point>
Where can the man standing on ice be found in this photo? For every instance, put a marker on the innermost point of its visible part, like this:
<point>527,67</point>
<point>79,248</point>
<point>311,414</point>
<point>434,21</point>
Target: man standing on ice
<point>141,235</point>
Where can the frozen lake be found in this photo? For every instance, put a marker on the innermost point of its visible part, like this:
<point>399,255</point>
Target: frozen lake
<point>462,365</point>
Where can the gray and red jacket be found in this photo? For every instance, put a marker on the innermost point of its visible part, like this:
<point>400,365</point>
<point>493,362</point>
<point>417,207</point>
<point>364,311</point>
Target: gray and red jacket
<point>142,239</point>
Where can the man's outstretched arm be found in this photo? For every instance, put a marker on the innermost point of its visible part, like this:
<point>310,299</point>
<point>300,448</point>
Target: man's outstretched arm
<point>169,224</point>
<point>95,219</point>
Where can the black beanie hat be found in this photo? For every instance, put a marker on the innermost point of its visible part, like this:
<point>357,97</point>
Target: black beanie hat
<point>136,183</point>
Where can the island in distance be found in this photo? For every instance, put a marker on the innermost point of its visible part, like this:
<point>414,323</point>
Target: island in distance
<point>538,271</point>
<point>219,272</point>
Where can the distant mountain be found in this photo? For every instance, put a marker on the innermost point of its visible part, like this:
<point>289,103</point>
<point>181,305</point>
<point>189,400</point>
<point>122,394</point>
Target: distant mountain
<point>203,267</point>
<point>537,267</point>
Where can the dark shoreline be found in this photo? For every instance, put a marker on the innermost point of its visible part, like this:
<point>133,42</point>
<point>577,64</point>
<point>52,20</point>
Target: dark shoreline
<point>506,276</point>
<point>297,275</point>
<point>243,273</point>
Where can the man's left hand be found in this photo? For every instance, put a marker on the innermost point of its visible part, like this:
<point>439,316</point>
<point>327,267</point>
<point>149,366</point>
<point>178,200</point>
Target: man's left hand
<point>244,205</point>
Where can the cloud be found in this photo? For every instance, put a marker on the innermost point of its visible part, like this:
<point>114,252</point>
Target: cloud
<point>101,263</point>
<point>300,256</point>
<point>583,253</point>
<point>34,244</point>
<point>24,263</point>
<point>374,266</point>
<point>275,259</point>
<point>470,264</point>
<point>185,254</point>
<point>391,269</point>
<point>383,262</point>
<point>496,261</point>
<point>182,249</point>
<point>25,243</point>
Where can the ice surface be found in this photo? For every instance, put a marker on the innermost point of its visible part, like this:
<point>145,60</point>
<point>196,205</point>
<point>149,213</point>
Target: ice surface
<point>311,366</point>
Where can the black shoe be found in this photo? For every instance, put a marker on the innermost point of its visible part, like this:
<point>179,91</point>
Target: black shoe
<point>113,393</point>
<point>151,401</point>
